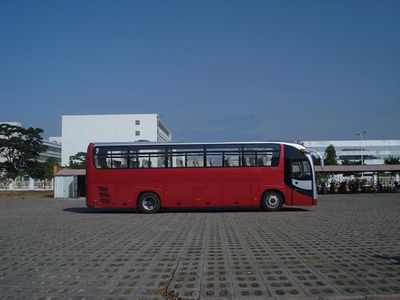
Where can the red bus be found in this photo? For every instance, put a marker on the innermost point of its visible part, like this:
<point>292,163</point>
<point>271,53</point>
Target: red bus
<point>150,176</point>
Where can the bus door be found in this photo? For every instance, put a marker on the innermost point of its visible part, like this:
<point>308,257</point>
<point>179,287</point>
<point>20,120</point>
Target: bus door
<point>301,181</point>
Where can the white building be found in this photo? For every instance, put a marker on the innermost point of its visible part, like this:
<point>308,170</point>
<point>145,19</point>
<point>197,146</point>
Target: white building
<point>80,130</point>
<point>55,139</point>
<point>53,150</point>
<point>371,151</point>
<point>12,123</point>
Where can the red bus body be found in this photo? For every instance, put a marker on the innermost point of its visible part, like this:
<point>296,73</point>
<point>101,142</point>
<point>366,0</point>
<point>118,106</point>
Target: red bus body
<point>190,187</point>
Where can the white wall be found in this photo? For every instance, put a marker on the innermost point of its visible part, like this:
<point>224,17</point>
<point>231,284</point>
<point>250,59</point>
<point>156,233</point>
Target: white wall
<point>80,130</point>
<point>63,186</point>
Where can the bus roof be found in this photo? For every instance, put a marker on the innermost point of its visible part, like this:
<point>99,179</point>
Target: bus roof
<point>293,144</point>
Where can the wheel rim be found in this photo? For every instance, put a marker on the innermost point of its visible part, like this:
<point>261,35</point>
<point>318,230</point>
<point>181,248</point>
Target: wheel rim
<point>149,203</point>
<point>273,201</point>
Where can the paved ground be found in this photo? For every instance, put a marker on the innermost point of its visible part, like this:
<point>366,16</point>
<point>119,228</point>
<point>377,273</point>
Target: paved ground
<point>348,245</point>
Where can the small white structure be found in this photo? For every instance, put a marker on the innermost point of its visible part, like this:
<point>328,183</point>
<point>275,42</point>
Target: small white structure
<point>69,183</point>
<point>80,130</point>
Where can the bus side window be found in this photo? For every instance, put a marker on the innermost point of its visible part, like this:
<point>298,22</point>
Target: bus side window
<point>100,162</point>
<point>179,163</point>
<point>261,161</point>
<point>195,161</point>
<point>214,160</point>
<point>249,159</point>
<point>231,160</point>
<point>116,164</point>
<point>227,162</point>
<point>109,163</point>
<point>160,162</point>
<point>264,159</point>
<point>145,163</point>
<point>134,164</point>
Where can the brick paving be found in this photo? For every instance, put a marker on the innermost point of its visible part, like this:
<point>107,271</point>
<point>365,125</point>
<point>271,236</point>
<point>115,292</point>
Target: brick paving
<point>348,246</point>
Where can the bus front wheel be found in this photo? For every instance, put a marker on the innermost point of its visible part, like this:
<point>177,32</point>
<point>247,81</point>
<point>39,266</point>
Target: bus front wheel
<point>272,201</point>
<point>149,203</point>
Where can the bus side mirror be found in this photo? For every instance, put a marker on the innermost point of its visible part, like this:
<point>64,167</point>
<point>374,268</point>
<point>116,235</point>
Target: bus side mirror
<point>320,158</point>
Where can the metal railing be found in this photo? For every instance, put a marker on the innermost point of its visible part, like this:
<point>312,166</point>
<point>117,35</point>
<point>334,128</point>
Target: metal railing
<point>28,185</point>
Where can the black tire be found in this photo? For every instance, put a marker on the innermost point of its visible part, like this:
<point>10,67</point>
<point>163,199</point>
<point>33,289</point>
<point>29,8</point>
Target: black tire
<point>272,201</point>
<point>149,203</point>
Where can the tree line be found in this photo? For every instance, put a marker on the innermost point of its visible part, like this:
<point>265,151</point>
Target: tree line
<point>20,150</point>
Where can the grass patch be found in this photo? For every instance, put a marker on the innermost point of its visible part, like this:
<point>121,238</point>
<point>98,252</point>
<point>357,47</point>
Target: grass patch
<point>25,194</point>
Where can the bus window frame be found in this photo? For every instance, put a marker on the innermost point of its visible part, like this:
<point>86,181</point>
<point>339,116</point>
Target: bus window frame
<point>132,152</point>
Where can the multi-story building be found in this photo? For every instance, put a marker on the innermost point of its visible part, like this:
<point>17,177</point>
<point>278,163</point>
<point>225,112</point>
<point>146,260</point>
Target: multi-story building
<point>370,151</point>
<point>80,130</point>
<point>53,150</point>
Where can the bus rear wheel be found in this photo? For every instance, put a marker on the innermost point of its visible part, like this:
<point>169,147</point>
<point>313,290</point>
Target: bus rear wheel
<point>149,203</point>
<point>272,201</point>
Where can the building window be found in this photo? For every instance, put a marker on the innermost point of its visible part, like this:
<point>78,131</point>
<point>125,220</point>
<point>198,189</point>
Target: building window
<point>137,132</point>
<point>137,122</point>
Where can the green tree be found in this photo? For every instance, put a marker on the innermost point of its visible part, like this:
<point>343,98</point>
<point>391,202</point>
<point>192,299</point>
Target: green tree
<point>78,161</point>
<point>316,161</point>
<point>19,149</point>
<point>4,181</point>
<point>330,154</point>
<point>322,182</point>
<point>51,162</point>
<point>44,170</point>
<point>392,160</point>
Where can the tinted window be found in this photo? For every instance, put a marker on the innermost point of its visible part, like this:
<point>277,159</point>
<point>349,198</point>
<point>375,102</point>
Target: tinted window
<point>123,157</point>
<point>148,158</point>
<point>261,155</point>
<point>195,158</point>
<point>180,157</point>
<point>219,156</point>
<point>111,157</point>
<point>231,159</point>
<point>190,156</point>
<point>301,170</point>
<point>176,159</point>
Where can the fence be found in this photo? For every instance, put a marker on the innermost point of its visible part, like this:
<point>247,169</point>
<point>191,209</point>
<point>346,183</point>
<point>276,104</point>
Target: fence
<point>364,184</point>
<point>28,185</point>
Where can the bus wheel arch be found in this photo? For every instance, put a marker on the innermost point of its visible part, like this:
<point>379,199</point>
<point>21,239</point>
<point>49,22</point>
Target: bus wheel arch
<point>272,200</point>
<point>148,202</point>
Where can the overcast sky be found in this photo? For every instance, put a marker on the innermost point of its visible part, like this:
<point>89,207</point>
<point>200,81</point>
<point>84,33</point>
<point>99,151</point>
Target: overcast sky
<point>214,70</point>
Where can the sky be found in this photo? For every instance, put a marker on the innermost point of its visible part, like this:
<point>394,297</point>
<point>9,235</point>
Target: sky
<point>214,70</point>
